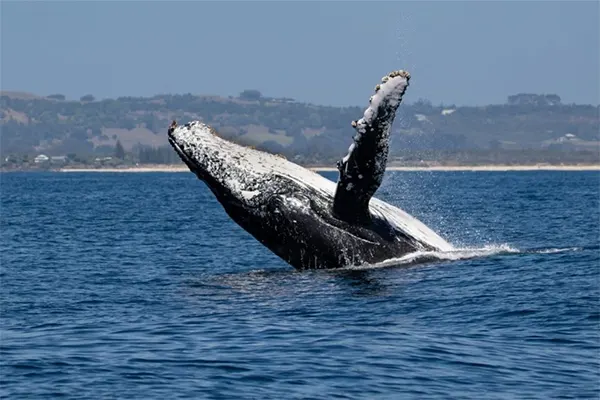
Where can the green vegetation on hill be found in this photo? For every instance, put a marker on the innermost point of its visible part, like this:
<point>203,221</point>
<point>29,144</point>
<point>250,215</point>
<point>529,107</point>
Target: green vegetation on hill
<point>531,126</point>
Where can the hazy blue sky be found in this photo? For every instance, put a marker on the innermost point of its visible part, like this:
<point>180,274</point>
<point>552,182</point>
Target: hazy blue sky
<point>323,52</point>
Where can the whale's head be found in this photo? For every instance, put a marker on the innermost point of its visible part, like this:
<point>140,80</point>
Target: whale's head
<point>272,198</point>
<point>240,177</point>
<point>214,160</point>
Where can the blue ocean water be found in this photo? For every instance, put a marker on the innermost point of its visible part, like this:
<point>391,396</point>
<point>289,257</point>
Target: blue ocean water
<point>138,286</point>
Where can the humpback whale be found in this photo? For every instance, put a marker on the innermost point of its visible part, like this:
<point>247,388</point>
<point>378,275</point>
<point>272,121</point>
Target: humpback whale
<point>306,219</point>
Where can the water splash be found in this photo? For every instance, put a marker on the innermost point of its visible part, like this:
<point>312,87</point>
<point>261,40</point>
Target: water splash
<point>420,257</point>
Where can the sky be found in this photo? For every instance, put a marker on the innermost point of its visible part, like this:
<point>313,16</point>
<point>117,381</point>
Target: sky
<point>330,53</point>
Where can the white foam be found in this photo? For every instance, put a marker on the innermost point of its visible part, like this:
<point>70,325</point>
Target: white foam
<point>452,255</point>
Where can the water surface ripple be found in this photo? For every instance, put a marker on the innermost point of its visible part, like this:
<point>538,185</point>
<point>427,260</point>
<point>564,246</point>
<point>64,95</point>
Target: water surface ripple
<point>139,286</point>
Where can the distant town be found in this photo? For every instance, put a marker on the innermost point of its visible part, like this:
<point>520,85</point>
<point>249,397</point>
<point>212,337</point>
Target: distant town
<point>52,132</point>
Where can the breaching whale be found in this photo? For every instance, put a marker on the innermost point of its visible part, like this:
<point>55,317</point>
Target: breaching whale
<point>306,219</point>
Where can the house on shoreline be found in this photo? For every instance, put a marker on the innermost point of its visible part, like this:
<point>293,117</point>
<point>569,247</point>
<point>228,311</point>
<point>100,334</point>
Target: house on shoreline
<point>42,158</point>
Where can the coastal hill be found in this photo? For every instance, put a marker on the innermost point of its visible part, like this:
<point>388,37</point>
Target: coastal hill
<point>527,128</point>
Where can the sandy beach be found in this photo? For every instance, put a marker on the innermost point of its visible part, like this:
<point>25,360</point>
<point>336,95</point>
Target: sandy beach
<point>541,167</point>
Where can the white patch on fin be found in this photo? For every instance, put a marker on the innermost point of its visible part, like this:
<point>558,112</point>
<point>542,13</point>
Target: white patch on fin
<point>391,89</point>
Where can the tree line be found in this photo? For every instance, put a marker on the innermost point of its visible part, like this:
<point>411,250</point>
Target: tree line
<point>301,131</point>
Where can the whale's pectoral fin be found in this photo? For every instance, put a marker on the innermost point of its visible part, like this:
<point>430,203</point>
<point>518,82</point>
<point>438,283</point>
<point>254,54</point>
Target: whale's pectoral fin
<point>362,169</point>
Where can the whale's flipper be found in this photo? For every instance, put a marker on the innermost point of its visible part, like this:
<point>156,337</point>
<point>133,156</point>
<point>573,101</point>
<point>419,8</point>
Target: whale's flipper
<point>362,169</point>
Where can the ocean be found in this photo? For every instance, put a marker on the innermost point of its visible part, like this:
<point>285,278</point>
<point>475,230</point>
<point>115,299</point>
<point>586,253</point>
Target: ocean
<point>139,286</point>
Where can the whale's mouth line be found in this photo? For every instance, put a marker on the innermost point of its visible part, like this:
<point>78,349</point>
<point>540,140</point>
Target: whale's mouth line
<point>200,173</point>
<point>186,159</point>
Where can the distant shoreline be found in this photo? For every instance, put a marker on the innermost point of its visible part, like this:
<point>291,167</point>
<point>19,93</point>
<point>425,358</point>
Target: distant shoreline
<point>441,168</point>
